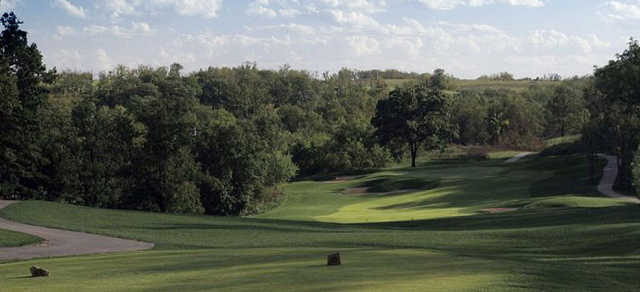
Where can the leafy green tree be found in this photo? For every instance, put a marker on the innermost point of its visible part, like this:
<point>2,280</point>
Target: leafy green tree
<point>415,116</point>
<point>168,165</point>
<point>635,170</point>
<point>439,80</point>
<point>618,87</point>
<point>22,77</point>
<point>469,110</point>
<point>566,111</point>
<point>497,123</point>
<point>107,140</point>
<point>512,120</point>
<point>235,167</point>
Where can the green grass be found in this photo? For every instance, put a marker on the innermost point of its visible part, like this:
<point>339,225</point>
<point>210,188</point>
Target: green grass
<point>10,238</point>
<point>563,237</point>
<point>562,140</point>
<point>503,154</point>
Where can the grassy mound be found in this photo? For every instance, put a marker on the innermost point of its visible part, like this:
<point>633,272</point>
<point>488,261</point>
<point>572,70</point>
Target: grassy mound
<point>10,239</point>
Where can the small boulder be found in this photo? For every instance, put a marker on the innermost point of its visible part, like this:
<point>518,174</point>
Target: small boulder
<point>39,272</point>
<point>333,259</point>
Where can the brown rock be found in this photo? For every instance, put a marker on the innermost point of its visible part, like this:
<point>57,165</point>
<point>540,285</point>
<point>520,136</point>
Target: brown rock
<point>38,272</point>
<point>333,259</point>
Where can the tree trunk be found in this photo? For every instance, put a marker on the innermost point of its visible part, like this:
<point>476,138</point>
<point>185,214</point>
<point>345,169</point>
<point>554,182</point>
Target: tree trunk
<point>414,153</point>
<point>592,167</point>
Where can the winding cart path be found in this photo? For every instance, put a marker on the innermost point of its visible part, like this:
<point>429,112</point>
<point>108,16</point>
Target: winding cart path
<point>62,242</point>
<point>518,157</point>
<point>609,175</point>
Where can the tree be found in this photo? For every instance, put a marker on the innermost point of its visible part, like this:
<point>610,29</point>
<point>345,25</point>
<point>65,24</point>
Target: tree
<point>414,116</point>
<point>566,111</point>
<point>106,140</point>
<point>635,170</point>
<point>469,110</point>
<point>22,76</point>
<point>439,80</point>
<point>618,86</point>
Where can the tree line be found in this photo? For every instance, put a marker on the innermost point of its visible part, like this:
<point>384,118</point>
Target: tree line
<point>220,140</point>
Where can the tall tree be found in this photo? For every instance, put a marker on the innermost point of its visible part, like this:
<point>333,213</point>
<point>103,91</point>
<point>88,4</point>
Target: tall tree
<point>618,85</point>
<point>566,111</point>
<point>22,75</point>
<point>414,116</point>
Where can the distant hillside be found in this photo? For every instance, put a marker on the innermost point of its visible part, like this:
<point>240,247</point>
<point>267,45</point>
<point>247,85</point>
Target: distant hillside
<point>465,84</point>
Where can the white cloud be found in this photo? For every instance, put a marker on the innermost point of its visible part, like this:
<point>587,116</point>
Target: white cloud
<point>62,31</point>
<point>119,7</point>
<point>69,59</point>
<point>622,10</point>
<point>451,4</point>
<point>135,29</point>
<point>203,8</point>
<point>7,5</point>
<point>293,8</point>
<point>363,6</point>
<point>104,61</point>
<point>259,7</point>
<point>354,18</point>
<point>554,40</point>
<point>291,27</point>
<point>289,12</point>
<point>327,35</point>
<point>284,8</point>
<point>73,10</point>
<point>364,45</point>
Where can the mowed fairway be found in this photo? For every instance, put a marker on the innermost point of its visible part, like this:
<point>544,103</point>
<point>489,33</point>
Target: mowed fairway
<point>440,227</point>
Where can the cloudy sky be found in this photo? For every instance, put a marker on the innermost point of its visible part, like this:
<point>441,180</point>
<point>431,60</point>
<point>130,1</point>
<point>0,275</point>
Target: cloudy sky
<point>465,37</point>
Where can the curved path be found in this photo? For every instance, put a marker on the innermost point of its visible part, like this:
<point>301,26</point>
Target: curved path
<point>62,243</point>
<point>518,157</point>
<point>609,175</point>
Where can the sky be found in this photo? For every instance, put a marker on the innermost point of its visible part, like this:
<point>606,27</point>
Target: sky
<point>467,38</point>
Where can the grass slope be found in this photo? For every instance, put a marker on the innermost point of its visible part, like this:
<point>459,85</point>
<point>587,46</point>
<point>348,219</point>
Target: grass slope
<point>10,239</point>
<point>563,238</point>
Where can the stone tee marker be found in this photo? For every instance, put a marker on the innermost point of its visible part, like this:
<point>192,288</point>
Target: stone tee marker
<point>38,272</point>
<point>333,259</point>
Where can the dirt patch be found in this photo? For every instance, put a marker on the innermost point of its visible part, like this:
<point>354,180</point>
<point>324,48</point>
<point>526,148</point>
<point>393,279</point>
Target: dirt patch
<point>498,210</point>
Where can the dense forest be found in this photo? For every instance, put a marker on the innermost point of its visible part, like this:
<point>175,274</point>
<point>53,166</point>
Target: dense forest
<point>221,140</point>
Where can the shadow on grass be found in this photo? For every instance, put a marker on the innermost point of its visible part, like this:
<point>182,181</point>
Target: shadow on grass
<point>492,184</point>
<point>237,227</point>
<point>20,278</point>
<point>523,219</point>
<point>394,183</point>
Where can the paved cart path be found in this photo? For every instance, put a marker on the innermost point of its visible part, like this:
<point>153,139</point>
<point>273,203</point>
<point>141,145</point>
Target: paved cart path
<point>518,157</point>
<point>62,243</point>
<point>609,175</point>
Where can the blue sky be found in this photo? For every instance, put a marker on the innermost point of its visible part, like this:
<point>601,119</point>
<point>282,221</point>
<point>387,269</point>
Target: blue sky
<point>467,38</point>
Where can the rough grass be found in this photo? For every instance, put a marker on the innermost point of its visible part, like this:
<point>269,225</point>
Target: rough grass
<point>566,240</point>
<point>10,239</point>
